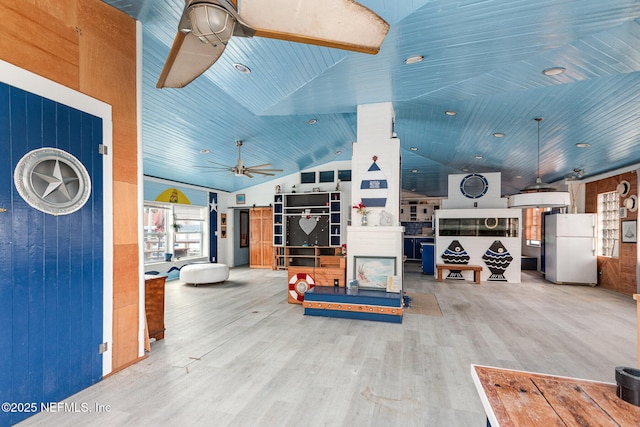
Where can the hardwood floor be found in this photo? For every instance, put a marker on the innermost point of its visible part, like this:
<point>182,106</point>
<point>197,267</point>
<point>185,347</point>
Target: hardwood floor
<point>238,354</point>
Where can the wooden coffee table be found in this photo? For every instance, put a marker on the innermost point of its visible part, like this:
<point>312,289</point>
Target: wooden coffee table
<point>517,398</point>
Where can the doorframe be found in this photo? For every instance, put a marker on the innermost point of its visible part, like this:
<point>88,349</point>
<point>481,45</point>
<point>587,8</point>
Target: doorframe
<point>45,88</point>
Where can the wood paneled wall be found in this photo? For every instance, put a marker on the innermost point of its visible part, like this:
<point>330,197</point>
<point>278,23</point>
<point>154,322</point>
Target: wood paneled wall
<point>90,47</point>
<point>617,274</point>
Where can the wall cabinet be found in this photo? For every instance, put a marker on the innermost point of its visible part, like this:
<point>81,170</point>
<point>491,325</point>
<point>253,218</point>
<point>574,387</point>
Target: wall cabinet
<point>418,210</point>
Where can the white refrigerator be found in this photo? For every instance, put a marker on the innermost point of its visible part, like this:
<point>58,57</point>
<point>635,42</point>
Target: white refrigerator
<point>570,248</point>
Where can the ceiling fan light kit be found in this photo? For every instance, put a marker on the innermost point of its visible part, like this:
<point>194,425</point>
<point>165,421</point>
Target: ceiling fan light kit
<point>211,23</point>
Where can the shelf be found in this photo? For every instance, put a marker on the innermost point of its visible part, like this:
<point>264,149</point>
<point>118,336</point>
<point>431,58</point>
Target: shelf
<point>306,256</point>
<point>325,207</point>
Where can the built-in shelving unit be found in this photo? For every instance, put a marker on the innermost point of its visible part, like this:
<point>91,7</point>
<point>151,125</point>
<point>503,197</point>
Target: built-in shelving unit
<point>308,219</point>
<point>302,256</point>
<point>278,220</point>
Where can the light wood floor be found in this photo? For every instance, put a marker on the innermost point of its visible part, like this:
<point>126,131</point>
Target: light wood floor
<point>238,354</point>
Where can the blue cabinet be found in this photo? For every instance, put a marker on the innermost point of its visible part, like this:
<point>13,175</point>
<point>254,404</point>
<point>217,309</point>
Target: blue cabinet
<point>409,250</point>
<point>412,247</point>
<point>428,258</point>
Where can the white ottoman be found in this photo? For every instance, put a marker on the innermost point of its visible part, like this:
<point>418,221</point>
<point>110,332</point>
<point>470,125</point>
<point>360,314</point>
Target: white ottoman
<point>204,273</point>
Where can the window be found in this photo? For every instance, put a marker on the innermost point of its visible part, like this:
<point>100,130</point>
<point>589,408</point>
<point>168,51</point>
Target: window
<point>307,177</point>
<point>189,231</point>
<point>155,233</point>
<point>344,175</point>
<point>533,226</point>
<point>174,232</point>
<point>608,223</point>
<point>326,176</point>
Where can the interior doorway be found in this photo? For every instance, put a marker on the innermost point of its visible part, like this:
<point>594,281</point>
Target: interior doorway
<point>261,238</point>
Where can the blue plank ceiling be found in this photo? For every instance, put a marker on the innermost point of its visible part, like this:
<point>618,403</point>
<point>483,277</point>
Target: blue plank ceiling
<point>51,267</point>
<point>483,60</point>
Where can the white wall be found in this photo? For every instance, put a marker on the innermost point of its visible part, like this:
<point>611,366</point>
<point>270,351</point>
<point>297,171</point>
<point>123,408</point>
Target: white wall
<point>476,246</point>
<point>262,194</point>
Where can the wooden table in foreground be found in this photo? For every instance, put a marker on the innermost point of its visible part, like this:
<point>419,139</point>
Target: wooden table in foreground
<point>517,398</point>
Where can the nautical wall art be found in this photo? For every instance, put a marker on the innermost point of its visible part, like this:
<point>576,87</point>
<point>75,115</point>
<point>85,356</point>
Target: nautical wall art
<point>52,181</point>
<point>374,186</point>
<point>455,254</point>
<point>173,195</point>
<point>498,259</point>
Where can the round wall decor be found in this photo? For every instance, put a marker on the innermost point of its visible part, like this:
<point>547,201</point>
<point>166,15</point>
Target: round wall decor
<point>623,188</point>
<point>631,203</point>
<point>52,181</point>
<point>474,186</point>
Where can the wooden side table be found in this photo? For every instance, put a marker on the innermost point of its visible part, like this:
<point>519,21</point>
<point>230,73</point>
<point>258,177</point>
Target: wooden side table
<point>154,305</point>
<point>520,399</point>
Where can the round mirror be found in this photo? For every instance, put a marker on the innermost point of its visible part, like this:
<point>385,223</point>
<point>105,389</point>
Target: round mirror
<point>474,186</point>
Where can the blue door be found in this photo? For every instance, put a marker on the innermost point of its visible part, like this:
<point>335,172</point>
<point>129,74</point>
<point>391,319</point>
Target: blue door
<point>51,266</point>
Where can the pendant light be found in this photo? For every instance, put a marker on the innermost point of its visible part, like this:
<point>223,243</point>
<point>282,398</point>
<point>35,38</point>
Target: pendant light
<point>539,194</point>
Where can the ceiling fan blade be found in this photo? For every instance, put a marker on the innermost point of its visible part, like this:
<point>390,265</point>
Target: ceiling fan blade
<point>188,59</point>
<point>203,31</point>
<point>219,164</point>
<point>246,173</point>
<point>341,24</point>
<point>212,168</point>
<point>261,170</point>
<point>259,166</point>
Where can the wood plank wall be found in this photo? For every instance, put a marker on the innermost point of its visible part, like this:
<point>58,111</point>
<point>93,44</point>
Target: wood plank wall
<point>617,274</point>
<point>90,47</point>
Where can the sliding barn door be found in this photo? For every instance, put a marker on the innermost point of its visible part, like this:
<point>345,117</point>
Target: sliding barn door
<point>51,264</point>
<point>261,238</point>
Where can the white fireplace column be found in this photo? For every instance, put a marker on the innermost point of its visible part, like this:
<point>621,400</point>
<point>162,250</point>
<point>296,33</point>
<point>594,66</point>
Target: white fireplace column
<point>375,175</point>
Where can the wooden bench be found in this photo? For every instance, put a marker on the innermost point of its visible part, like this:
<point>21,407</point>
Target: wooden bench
<point>477,269</point>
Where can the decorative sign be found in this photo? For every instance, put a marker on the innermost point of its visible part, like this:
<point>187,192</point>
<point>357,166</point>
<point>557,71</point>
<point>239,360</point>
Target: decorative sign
<point>455,254</point>
<point>173,195</point>
<point>374,186</point>
<point>474,186</point>
<point>52,181</point>
<point>498,259</point>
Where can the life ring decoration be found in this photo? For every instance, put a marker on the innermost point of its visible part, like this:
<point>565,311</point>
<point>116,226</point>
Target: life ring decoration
<point>299,284</point>
<point>474,186</point>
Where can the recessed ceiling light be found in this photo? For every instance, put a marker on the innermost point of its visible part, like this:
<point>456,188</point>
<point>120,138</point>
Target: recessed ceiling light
<point>554,71</point>
<point>338,152</point>
<point>312,121</point>
<point>413,189</point>
<point>478,157</point>
<point>413,148</point>
<point>414,170</point>
<point>583,145</point>
<point>414,59</point>
<point>465,170</point>
<point>204,151</point>
<point>242,68</point>
<point>451,113</point>
<point>498,134</point>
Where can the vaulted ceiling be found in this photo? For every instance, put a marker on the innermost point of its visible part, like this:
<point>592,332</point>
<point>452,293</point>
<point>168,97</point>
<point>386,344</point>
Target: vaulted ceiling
<point>483,59</point>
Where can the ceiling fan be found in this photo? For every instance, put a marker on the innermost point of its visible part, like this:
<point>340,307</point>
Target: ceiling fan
<point>206,26</point>
<point>240,169</point>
